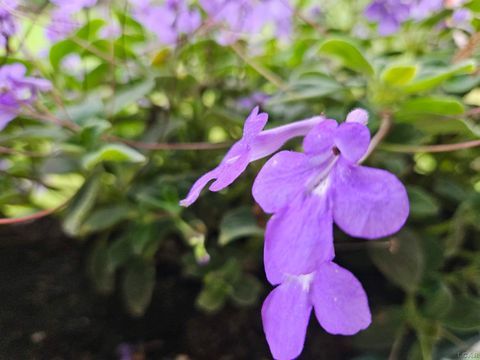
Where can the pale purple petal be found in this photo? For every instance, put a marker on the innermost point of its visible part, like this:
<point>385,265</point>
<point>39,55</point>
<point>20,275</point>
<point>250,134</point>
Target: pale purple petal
<point>281,180</point>
<point>5,117</point>
<point>358,116</point>
<point>198,186</point>
<point>320,139</point>
<point>368,203</point>
<point>232,166</point>
<point>269,141</point>
<point>285,315</point>
<point>340,303</point>
<point>299,237</point>
<point>254,124</point>
<point>352,139</point>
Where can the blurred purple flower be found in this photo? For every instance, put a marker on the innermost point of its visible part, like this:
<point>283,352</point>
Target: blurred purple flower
<point>62,22</point>
<point>390,14</point>
<point>257,98</point>
<point>461,19</point>
<point>309,191</point>
<point>167,21</point>
<point>8,26</point>
<point>17,90</point>
<point>248,17</point>
<point>340,303</point>
<point>255,144</point>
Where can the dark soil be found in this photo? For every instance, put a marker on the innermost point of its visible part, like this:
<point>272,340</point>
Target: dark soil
<point>49,311</point>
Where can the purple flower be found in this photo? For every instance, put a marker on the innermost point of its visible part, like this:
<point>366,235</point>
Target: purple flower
<point>257,98</point>
<point>62,22</point>
<point>340,303</point>
<point>8,26</point>
<point>255,144</point>
<point>309,191</point>
<point>390,14</point>
<point>17,90</point>
<point>167,21</point>
<point>461,19</point>
<point>248,17</point>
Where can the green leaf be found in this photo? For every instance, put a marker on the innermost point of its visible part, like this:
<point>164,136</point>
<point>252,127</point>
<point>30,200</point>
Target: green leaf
<point>81,112</point>
<point>381,334</point>
<point>399,75</point>
<point>438,300</point>
<point>113,153</point>
<point>246,291</point>
<point>402,261</point>
<point>61,49</point>
<point>433,80</point>
<point>236,224</point>
<point>214,293</point>
<point>138,285</point>
<point>422,204</point>
<point>104,218</point>
<point>414,109</point>
<point>120,251</point>
<point>464,314</point>
<point>130,94</point>
<point>99,269</point>
<point>81,205</point>
<point>350,55</point>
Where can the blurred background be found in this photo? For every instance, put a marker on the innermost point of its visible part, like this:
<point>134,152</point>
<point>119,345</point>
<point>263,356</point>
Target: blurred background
<point>131,101</point>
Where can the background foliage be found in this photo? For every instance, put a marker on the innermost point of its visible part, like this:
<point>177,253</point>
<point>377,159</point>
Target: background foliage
<point>126,130</point>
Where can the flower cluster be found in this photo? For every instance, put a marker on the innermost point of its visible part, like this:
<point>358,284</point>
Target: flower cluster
<point>390,14</point>
<point>248,17</point>
<point>63,22</point>
<point>8,26</point>
<point>167,21</point>
<point>307,192</point>
<point>17,90</point>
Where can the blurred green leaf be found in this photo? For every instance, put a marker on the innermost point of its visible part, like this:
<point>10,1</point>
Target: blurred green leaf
<point>422,204</point>
<point>399,75</point>
<point>138,285</point>
<point>104,218</point>
<point>438,300</point>
<point>99,269</point>
<point>464,314</point>
<point>130,94</point>
<point>246,290</point>
<point>83,202</point>
<point>214,293</point>
<point>113,153</point>
<point>402,262</point>
<point>414,109</point>
<point>349,54</point>
<point>236,224</point>
<point>432,80</point>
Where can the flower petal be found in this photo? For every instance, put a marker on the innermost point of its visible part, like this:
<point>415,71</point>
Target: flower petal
<point>320,138</point>
<point>352,139</point>
<point>254,124</point>
<point>285,315</point>
<point>368,203</point>
<point>298,238</point>
<point>281,179</point>
<point>198,186</point>
<point>358,116</point>
<point>341,305</point>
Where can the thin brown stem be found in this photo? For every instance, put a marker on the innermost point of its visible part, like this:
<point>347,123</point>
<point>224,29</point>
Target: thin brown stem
<point>469,49</point>
<point>385,126</point>
<point>172,146</point>
<point>36,216</point>
<point>412,149</point>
